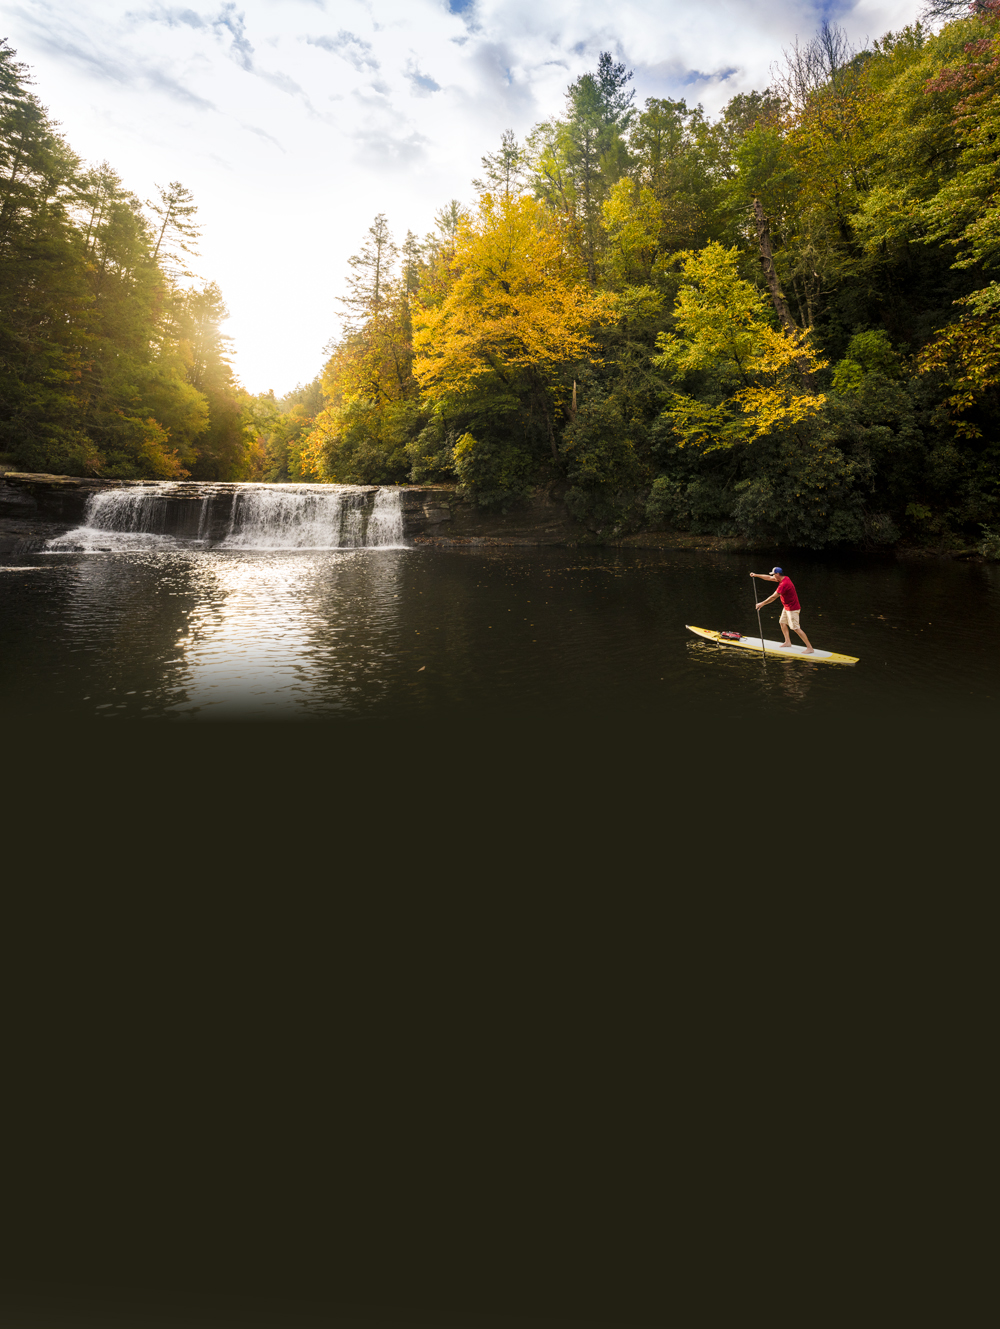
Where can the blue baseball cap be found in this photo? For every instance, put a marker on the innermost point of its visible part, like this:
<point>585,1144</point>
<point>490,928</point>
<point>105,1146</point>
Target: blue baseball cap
<point>777,572</point>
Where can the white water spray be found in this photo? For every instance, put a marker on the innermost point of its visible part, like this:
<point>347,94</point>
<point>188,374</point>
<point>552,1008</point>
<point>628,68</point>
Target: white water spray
<point>178,515</point>
<point>119,519</point>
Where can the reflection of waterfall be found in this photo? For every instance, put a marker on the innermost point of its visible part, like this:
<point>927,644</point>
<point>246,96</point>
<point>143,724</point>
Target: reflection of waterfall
<point>233,516</point>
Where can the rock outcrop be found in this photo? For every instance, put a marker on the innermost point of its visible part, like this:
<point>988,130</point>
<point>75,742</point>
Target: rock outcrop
<point>441,515</point>
<point>34,509</point>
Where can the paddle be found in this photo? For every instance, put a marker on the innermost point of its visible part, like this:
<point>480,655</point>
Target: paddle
<point>763,648</point>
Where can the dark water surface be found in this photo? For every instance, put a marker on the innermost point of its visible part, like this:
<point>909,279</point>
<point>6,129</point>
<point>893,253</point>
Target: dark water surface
<point>422,634</point>
<point>642,1023</point>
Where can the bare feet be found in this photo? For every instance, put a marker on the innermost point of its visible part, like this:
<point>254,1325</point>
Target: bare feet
<point>809,650</point>
<point>783,644</point>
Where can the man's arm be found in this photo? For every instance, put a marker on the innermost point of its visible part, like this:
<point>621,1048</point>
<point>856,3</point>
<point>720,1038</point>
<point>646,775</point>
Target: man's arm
<point>766,576</point>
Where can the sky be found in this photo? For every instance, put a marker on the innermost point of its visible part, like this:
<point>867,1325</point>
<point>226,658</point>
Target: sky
<point>294,122</point>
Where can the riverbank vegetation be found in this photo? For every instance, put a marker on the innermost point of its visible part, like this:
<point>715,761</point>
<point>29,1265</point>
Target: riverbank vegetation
<point>779,324</point>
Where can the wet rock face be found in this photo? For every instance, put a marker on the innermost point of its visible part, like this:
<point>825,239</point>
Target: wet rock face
<point>441,515</point>
<point>18,536</point>
<point>57,498</point>
<point>30,515</point>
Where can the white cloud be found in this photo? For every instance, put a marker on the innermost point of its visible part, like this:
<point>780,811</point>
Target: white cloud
<point>355,50</point>
<point>295,123</point>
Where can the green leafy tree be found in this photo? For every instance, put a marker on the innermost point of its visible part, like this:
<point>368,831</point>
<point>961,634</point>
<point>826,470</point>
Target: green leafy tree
<point>574,161</point>
<point>504,172</point>
<point>106,366</point>
<point>176,231</point>
<point>752,375</point>
<point>371,396</point>
<point>678,156</point>
<point>225,450</point>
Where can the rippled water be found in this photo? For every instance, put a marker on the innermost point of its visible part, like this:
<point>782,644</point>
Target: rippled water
<point>392,634</point>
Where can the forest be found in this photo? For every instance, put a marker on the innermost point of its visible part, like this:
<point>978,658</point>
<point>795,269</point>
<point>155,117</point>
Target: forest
<point>112,359</point>
<point>780,324</point>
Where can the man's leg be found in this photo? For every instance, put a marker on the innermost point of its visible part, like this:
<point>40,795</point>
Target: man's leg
<point>809,646</point>
<point>783,624</point>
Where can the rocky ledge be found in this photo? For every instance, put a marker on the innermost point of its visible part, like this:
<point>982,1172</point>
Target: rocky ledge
<point>442,515</point>
<point>27,523</point>
<point>35,508</point>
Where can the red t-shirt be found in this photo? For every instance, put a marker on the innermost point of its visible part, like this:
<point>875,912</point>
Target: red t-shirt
<point>786,594</point>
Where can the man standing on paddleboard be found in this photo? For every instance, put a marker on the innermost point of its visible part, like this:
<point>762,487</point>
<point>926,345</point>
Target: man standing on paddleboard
<point>790,606</point>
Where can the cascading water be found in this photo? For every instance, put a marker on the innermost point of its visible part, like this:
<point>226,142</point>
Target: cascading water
<point>385,524</point>
<point>284,519</point>
<point>126,518</point>
<point>236,516</point>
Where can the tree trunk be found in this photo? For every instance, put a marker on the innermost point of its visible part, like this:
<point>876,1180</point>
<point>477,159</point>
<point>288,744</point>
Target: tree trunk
<point>770,275</point>
<point>778,300</point>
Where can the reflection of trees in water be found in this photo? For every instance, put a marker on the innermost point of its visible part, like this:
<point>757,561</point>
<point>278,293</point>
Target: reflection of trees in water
<point>119,622</point>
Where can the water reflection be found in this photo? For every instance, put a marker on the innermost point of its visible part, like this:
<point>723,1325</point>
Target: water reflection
<point>770,678</point>
<point>282,636</point>
<point>393,633</point>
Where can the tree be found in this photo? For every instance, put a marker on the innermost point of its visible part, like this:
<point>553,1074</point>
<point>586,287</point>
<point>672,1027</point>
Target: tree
<point>224,448</point>
<point>370,283</point>
<point>584,140</point>
<point>43,292</point>
<point>676,154</point>
<point>515,307</point>
<point>726,340</point>
<point>370,394</point>
<point>615,96</point>
<point>936,11</point>
<point>176,231</point>
<point>967,354</point>
<point>573,162</point>
<point>633,219</point>
<point>106,366</point>
<point>496,353</point>
<point>504,171</point>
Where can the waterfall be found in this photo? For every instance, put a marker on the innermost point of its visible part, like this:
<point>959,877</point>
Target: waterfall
<point>385,525</point>
<point>120,519</point>
<point>127,510</point>
<point>265,518</point>
<point>178,514</point>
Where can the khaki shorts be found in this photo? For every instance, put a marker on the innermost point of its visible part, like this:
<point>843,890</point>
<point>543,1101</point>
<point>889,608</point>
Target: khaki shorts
<point>790,618</point>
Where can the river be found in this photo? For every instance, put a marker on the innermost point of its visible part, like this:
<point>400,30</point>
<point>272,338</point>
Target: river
<point>187,634</point>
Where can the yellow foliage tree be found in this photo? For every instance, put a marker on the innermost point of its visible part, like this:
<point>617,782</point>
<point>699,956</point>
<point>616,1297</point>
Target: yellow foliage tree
<point>726,332</point>
<point>632,218</point>
<point>517,311</point>
<point>968,353</point>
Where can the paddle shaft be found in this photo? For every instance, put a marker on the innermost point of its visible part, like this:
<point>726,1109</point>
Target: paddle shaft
<point>763,648</point>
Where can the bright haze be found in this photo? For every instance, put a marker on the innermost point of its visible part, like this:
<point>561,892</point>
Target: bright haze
<point>295,121</point>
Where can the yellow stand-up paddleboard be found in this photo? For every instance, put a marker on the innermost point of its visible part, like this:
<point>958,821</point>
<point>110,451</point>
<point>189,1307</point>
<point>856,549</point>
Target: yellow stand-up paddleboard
<point>774,647</point>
